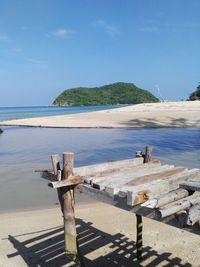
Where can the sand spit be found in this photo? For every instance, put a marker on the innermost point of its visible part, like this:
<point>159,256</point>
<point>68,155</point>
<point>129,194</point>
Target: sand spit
<point>35,238</point>
<point>166,114</point>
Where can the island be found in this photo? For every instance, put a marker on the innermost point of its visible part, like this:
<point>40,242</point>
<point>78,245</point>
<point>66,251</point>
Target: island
<point>111,94</point>
<point>196,94</point>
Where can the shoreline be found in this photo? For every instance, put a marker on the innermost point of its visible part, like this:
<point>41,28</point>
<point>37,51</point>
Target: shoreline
<point>148,115</point>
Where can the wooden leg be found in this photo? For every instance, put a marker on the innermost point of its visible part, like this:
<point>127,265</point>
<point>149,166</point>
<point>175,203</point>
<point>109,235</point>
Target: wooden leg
<point>139,236</point>
<point>69,222</point>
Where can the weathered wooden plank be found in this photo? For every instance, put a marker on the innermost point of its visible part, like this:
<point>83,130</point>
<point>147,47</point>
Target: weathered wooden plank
<point>193,215</point>
<point>155,176</point>
<point>121,177</point>
<point>106,174</point>
<point>114,184</point>
<point>96,168</point>
<point>182,204</point>
<point>166,198</point>
<point>73,180</point>
<point>141,193</point>
<point>191,185</point>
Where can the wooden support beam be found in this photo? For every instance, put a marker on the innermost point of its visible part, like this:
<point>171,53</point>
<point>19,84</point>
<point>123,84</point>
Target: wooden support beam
<point>65,188</point>
<point>71,247</point>
<point>73,180</point>
<point>147,158</point>
<point>139,241</point>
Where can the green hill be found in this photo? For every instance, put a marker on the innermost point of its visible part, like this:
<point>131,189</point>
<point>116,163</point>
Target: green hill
<point>196,94</point>
<point>116,93</point>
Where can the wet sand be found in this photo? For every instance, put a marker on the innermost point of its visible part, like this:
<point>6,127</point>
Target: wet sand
<point>35,238</point>
<point>166,114</point>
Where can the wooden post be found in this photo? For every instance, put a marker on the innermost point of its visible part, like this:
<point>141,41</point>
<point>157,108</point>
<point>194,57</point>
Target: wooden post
<point>148,154</point>
<point>71,246</point>
<point>139,242</point>
<point>66,198</point>
<point>57,171</point>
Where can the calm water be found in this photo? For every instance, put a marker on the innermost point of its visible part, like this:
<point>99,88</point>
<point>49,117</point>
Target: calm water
<point>7,113</point>
<point>23,150</point>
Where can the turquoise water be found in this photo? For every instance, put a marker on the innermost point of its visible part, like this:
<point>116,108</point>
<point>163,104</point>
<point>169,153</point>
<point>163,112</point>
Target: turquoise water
<point>23,150</point>
<point>8,113</point>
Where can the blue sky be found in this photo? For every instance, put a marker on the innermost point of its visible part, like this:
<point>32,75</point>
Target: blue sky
<point>47,46</point>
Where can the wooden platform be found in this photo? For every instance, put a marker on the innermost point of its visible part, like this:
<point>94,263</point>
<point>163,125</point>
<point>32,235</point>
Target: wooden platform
<point>149,189</point>
<point>140,185</point>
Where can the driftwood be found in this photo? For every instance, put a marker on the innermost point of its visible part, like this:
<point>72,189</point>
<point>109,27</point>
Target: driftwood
<point>193,215</point>
<point>180,205</point>
<point>166,198</point>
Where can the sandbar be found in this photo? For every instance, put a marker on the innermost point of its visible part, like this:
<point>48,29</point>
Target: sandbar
<point>149,115</point>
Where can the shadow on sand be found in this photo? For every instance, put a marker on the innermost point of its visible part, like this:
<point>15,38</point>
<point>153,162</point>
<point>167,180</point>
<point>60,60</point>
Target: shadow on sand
<point>171,123</point>
<point>45,248</point>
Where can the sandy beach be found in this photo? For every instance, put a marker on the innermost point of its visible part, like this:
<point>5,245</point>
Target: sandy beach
<point>166,114</point>
<point>35,238</point>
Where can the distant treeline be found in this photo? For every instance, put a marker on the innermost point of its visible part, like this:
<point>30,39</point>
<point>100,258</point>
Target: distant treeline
<point>116,93</point>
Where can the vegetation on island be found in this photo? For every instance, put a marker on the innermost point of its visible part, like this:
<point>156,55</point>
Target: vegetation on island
<point>196,94</point>
<point>116,93</point>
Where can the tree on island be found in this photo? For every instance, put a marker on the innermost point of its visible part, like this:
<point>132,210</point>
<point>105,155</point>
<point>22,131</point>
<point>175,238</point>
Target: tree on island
<point>196,94</point>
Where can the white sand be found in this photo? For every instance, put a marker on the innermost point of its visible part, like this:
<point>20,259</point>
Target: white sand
<point>167,114</point>
<point>106,238</point>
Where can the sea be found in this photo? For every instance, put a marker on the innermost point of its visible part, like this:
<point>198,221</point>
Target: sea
<point>24,150</point>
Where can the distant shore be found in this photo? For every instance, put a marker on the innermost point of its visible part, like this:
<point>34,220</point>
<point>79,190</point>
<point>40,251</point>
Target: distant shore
<point>149,115</point>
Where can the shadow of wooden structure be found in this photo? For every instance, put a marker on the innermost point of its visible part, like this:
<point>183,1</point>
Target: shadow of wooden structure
<point>46,249</point>
<point>140,185</point>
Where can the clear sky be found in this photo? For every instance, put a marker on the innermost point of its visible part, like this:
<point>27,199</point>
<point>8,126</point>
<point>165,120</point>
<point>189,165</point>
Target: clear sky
<point>47,46</point>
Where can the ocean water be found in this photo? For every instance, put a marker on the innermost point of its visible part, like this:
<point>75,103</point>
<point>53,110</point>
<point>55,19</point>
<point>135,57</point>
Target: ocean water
<point>24,150</point>
<point>8,113</point>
